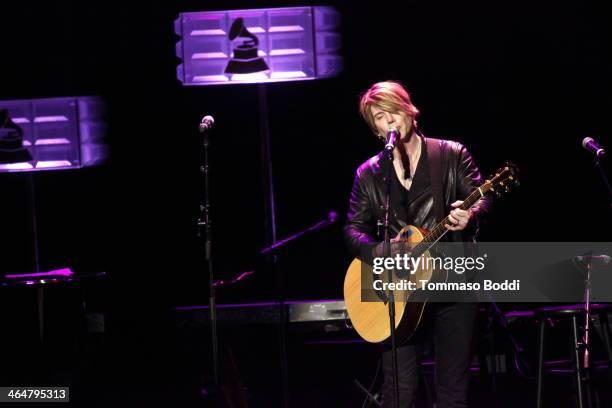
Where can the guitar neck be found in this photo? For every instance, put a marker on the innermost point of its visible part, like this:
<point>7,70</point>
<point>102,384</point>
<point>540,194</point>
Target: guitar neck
<point>440,230</point>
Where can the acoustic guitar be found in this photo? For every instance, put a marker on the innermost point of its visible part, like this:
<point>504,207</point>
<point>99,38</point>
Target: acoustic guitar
<point>371,318</point>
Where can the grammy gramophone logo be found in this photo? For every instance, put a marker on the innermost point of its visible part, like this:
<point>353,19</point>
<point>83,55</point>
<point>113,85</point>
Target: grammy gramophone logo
<point>11,141</point>
<point>245,60</point>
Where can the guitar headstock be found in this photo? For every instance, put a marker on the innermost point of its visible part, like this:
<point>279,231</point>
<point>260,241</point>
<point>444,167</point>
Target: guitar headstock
<point>504,180</point>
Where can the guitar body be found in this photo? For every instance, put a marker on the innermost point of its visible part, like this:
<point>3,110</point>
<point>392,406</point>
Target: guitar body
<point>371,319</point>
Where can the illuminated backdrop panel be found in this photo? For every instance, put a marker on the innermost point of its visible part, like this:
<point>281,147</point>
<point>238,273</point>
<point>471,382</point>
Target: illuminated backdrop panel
<point>258,45</point>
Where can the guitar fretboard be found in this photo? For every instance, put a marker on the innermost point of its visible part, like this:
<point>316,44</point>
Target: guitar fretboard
<point>440,230</point>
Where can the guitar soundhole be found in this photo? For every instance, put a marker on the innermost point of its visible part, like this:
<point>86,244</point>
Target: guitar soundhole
<point>402,273</point>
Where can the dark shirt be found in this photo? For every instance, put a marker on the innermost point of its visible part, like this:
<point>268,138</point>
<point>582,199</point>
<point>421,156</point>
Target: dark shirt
<point>401,198</point>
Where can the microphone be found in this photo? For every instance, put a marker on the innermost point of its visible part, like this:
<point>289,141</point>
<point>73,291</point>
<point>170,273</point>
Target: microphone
<point>592,146</point>
<point>605,259</point>
<point>392,137</point>
<point>206,123</point>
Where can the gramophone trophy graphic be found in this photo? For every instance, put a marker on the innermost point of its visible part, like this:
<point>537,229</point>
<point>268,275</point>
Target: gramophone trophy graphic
<point>11,141</point>
<point>245,60</point>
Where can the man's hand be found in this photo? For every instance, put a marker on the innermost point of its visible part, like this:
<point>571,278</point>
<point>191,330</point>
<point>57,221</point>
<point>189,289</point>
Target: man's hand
<point>459,218</point>
<point>398,245</point>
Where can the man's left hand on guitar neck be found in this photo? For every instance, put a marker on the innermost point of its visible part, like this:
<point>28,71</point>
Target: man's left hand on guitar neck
<point>458,217</point>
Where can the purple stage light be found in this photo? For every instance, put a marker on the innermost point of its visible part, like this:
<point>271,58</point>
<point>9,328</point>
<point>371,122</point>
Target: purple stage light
<point>258,45</point>
<point>51,134</point>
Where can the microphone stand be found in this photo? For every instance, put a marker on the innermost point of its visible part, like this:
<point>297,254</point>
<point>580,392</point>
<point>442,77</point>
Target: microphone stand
<point>332,217</point>
<point>205,229</point>
<point>604,178</point>
<point>388,155</point>
<point>369,396</point>
<point>586,361</point>
<point>271,251</point>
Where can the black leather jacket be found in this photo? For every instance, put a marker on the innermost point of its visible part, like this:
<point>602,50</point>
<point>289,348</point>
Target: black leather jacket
<point>460,177</point>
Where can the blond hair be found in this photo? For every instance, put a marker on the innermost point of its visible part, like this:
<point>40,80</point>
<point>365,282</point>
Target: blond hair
<point>389,96</point>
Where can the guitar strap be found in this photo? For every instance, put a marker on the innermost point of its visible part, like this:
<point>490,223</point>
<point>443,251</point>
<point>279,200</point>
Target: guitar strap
<point>434,153</point>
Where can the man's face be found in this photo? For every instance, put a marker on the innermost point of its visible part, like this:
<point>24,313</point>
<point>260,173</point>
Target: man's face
<point>385,120</point>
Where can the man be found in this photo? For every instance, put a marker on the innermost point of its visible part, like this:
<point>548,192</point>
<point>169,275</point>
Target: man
<point>384,106</point>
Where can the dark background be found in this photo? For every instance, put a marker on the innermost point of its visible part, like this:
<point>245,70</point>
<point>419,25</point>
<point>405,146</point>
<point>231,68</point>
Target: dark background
<point>521,80</point>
